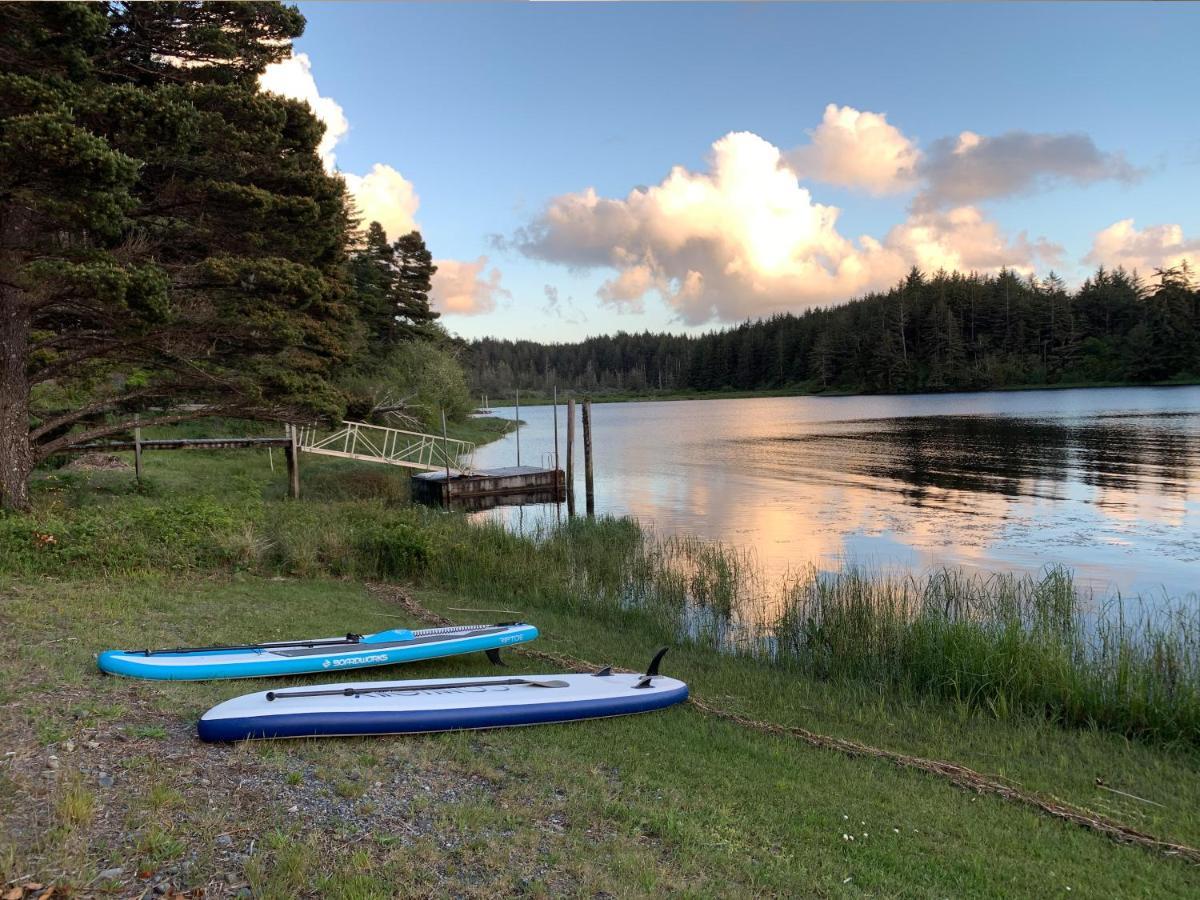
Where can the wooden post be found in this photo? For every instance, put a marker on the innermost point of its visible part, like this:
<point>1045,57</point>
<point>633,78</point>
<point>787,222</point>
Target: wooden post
<point>292,453</point>
<point>446,458</point>
<point>137,450</point>
<point>557,491</point>
<point>518,421</point>
<point>588,487</point>
<point>570,456</point>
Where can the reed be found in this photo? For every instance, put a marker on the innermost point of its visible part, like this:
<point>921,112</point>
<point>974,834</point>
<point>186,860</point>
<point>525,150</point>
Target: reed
<point>1002,643</point>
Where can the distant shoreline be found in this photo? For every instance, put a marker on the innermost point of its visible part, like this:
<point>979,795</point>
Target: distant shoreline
<point>539,399</point>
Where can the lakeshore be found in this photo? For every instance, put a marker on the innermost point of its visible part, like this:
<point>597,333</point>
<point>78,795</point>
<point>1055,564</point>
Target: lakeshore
<point>107,779</point>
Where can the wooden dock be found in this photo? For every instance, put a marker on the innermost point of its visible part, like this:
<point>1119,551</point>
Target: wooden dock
<point>485,488</point>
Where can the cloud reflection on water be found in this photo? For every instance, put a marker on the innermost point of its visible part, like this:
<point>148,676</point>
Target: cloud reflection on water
<point>1104,481</point>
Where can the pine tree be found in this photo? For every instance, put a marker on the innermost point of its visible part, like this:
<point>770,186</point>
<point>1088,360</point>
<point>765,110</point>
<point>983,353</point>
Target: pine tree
<point>169,242</point>
<point>373,276</point>
<point>415,271</point>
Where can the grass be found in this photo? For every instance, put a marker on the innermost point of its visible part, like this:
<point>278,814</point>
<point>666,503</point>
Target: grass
<point>667,803</point>
<point>671,802</point>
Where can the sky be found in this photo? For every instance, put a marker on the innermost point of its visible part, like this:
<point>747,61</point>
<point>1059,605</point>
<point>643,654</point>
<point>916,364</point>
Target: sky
<point>580,169</point>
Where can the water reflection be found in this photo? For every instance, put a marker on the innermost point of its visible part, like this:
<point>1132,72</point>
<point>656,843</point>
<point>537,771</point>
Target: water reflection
<point>1104,481</point>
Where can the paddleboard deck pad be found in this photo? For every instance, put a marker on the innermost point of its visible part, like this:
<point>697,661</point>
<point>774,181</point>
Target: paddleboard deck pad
<point>427,705</point>
<point>352,651</point>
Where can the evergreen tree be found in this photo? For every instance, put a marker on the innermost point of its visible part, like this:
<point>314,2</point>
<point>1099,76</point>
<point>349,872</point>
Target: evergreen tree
<point>169,242</point>
<point>415,270</point>
<point>943,332</point>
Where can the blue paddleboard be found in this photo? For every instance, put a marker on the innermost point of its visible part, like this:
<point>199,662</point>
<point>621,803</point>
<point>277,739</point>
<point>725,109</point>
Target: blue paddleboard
<point>353,651</point>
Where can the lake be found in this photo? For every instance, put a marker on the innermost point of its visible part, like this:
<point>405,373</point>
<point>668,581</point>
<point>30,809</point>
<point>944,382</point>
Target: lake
<point>1104,481</point>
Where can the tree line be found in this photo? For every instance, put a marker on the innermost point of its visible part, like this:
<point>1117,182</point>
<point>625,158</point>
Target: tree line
<point>942,332</point>
<point>171,246</point>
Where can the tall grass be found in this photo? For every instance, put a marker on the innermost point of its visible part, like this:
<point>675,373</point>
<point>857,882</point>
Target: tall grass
<point>1002,644</point>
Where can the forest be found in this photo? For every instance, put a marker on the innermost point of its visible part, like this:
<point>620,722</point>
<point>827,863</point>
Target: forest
<point>940,332</point>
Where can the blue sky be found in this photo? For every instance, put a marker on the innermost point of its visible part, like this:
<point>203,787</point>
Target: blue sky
<point>498,117</point>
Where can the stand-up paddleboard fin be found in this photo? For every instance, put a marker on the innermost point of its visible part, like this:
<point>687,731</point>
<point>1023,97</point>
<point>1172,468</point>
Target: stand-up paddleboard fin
<point>603,673</point>
<point>648,679</point>
<point>653,670</point>
<point>494,655</point>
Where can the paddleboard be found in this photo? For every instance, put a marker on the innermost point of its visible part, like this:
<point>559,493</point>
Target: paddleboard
<point>352,651</point>
<point>427,705</point>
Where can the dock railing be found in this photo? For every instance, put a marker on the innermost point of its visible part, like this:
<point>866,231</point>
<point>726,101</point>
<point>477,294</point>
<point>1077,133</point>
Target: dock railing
<point>391,446</point>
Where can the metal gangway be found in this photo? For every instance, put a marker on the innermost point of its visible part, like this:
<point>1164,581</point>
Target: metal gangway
<point>391,446</point>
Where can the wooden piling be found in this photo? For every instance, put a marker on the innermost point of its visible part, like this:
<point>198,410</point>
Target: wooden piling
<point>556,464</point>
<point>570,456</point>
<point>446,457</point>
<point>517,419</point>
<point>137,451</point>
<point>292,454</point>
<point>589,488</point>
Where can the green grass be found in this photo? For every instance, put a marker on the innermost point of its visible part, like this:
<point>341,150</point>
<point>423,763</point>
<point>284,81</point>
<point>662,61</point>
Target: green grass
<point>1005,644</point>
<point>672,802</point>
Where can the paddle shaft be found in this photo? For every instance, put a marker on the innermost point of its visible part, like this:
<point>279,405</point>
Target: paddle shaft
<point>335,642</point>
<point>349,639</point>
<point>446,685</point>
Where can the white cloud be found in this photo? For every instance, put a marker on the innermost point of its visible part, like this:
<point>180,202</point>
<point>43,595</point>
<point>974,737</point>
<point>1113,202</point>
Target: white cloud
<point>1153,247</point>
<point>385,196</point>
<point>963,239</point>
<point>857,149</point>
<point>293,78</point>
<point>464,289</point>
<point>745,238</point>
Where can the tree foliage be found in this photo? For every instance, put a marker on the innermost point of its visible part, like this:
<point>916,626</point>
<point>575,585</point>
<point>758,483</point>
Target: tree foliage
<point>391,284</point>
<point>945,332</point>
<point>170,245</point>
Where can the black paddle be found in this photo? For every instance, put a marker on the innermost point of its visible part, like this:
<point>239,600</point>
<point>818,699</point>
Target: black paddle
<point>405,688</point>
<point>334,642</point>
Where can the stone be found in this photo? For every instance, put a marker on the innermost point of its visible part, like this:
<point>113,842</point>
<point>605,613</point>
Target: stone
<point>111,874</point>
<point>106,780</point>
<point>224,840</point>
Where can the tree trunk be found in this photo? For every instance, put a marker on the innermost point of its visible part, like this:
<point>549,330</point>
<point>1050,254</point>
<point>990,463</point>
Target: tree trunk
<point>16,456</point>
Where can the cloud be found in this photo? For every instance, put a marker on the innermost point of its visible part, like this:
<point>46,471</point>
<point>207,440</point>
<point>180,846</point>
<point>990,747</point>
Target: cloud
<point>970,167</point>
<point>746,238</point>
<point>293,78</point>
<point>568,311</point>
<point>1153,247</point>
<point>463,289</point>
<point>385,196</point>
<point>856,149</point>
<point>963,239</point>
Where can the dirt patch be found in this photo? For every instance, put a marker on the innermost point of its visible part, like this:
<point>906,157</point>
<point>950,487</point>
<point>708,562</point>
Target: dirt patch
<point>139,807</point>
<point>96,462</point>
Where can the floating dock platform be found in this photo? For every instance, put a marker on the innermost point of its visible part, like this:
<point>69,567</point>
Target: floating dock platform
<point>485,488</point>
